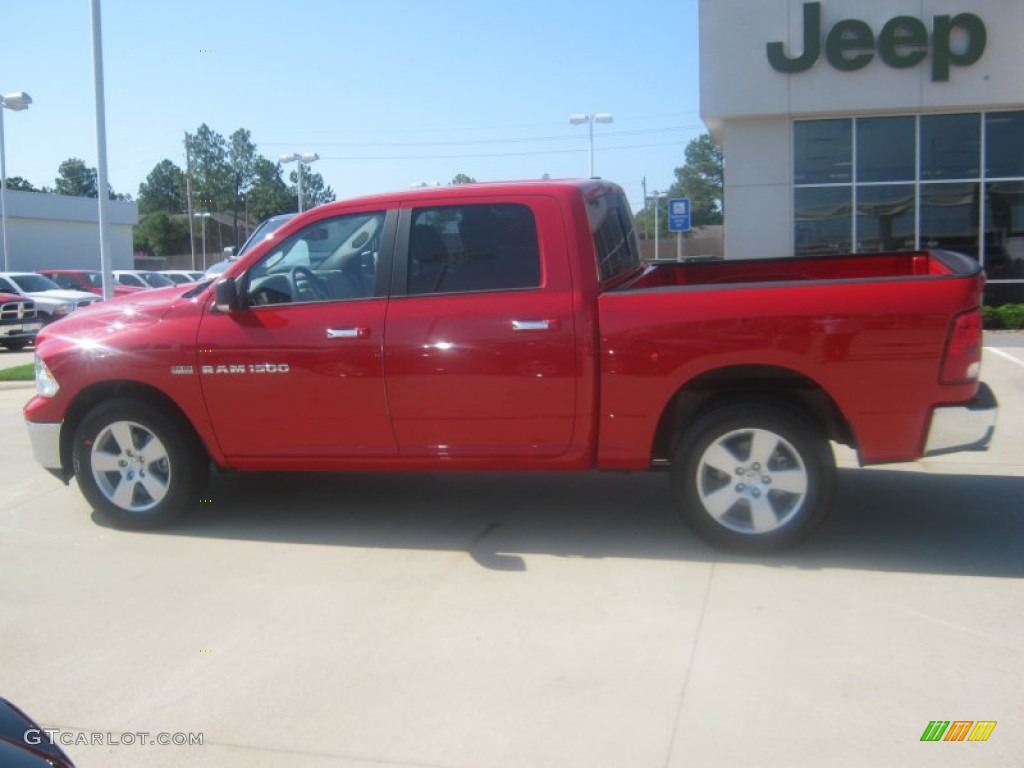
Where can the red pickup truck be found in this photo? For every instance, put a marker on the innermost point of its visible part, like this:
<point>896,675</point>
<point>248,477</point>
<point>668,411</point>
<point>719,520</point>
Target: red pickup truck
<point>513,326</point>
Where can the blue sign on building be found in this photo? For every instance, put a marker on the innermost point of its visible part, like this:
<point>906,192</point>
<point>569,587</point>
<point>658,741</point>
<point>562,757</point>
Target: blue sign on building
<point>679,214</point>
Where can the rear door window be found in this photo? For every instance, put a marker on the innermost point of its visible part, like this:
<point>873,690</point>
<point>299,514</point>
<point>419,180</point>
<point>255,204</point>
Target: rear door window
<point>467,248</point>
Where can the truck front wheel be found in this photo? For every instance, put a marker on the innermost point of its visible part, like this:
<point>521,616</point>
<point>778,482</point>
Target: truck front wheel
<point>753,476</point>
<point>137,465</point>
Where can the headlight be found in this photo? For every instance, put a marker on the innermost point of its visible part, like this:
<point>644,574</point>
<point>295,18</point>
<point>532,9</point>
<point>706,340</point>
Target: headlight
<point>61,309</point>
<point>46,384</point>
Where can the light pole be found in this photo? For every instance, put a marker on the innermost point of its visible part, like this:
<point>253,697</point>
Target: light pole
<point>590,119</point>
<point>202,218</point>
<point>16,102</point>
<point>304,159</point>
<point>656,196</point>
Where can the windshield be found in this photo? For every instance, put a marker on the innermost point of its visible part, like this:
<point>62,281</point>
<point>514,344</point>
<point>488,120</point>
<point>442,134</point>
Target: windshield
<point>265,230</point>
<point>35,283</point>
<point>155,279</point>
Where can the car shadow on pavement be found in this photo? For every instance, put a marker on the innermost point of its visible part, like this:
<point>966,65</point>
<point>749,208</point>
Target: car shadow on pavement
<point>883,520</point>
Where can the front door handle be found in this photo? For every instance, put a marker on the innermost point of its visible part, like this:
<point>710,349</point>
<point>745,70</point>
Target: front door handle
<point>348,333</point>
<point>534,325</point>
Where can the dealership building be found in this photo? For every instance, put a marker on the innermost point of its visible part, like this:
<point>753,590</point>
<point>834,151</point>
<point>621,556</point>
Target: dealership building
<point>861,127</point>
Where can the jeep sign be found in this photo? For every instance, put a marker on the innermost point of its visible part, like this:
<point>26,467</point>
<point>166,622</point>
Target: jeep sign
<point>903,42</point>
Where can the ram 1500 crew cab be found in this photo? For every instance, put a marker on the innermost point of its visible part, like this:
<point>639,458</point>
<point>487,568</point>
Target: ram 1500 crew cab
<point>513,326</point>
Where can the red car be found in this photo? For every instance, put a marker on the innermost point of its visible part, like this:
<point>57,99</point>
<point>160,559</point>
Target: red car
<point>85,280</point>
<point>514,327</point>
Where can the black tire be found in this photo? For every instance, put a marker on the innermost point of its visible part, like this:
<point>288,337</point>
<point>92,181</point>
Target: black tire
<point>15,346</point>
<point>147,484</point>
<point>735,501</point>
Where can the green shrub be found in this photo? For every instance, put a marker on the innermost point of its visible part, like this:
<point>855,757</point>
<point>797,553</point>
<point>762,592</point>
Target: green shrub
<point>1012,316</point>
<point>991,319</point>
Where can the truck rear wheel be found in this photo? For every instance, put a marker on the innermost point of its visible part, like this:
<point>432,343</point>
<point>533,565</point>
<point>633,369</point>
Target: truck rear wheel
<point>754,476</point>
<point>137,465</point>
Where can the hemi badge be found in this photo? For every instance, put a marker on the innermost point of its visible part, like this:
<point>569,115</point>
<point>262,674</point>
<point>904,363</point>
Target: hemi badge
<point>181,370</point>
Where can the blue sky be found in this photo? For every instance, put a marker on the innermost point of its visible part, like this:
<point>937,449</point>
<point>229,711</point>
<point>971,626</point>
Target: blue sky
<point>389,92</point>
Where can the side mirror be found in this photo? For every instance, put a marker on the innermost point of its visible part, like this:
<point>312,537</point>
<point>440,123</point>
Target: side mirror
<point>225,292</point>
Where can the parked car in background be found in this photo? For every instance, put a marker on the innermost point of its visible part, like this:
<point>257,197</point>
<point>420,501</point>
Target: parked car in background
<point>52,302</point>
<point>142,278</point>
<point>25,744</point>
<point>19,322</point>
<point>182,276</point>
<point>261,233</point>
<point>88,280</point>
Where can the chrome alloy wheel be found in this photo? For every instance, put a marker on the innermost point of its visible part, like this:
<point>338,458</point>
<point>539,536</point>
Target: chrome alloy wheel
<point>752,481</point>
<point>130,466</point>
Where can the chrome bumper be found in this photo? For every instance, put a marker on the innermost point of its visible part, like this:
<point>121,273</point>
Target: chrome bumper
<point>963,427</point>
<point>45,444</point>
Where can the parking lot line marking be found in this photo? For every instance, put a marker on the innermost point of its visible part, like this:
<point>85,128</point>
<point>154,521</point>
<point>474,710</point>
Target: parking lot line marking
<point>1005,355</point>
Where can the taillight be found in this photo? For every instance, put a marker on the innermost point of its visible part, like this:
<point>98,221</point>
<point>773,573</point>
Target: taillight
<point>962,362</point>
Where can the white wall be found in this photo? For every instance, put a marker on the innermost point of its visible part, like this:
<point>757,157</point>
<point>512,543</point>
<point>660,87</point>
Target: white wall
<point>758,191</point>
<point>737,80</point>
<point>61,232</point>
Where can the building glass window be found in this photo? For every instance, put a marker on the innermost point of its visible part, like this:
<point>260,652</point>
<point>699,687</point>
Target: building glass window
<point>823,151</point>
<point>870,184</point>
<point>823,221</point>
<point>885,149</point>
<point>1004,230</point>
<point>1004,144</point>
<point>950,146</point>
<point>885,218</point>
<point>949,217</point>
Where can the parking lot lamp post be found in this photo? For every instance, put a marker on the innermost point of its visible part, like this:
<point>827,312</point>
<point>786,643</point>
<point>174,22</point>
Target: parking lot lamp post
<point>202,218</point>
<point>15,102</point>
<point>657,196</point>
<point>300,159</point>
<point>590,119</point>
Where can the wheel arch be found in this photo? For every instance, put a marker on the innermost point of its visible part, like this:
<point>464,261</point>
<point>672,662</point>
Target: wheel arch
<point>103,391</point>
<point>744,382</point>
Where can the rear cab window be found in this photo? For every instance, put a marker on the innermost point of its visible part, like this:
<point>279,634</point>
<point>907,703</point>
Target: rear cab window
<point>615,243</point>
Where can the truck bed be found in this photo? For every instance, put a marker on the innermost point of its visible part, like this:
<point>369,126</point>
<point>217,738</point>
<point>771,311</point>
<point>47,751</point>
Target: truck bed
<point>869,330</point>
<point>853,267</point>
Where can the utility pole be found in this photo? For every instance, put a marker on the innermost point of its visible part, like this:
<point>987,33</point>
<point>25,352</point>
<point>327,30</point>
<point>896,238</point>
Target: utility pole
<point>188,199</point>
<point>643,183</point>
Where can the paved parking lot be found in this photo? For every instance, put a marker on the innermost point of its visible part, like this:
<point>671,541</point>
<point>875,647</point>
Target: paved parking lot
<point>541,620</point>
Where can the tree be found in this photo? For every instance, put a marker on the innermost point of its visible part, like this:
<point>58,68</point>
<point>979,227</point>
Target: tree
<point>211,174</point>
<point>241,159</point>
<point>159,235</point>
<point>314,191</point>
<point>461,178</point>
<point>75,178</point>
<point>701,179</point>
<point>20,184</point>
<point>163,189</point>
<point>268,195</point>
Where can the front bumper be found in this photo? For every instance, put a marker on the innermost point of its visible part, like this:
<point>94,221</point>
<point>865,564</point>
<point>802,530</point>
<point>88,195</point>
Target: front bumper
<point>45,440</point>
<point>963,427</point>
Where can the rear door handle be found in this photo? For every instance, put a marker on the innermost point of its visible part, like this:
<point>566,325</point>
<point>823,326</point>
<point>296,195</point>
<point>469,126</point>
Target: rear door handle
<point>534,325</point>
<point>348,333</point>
